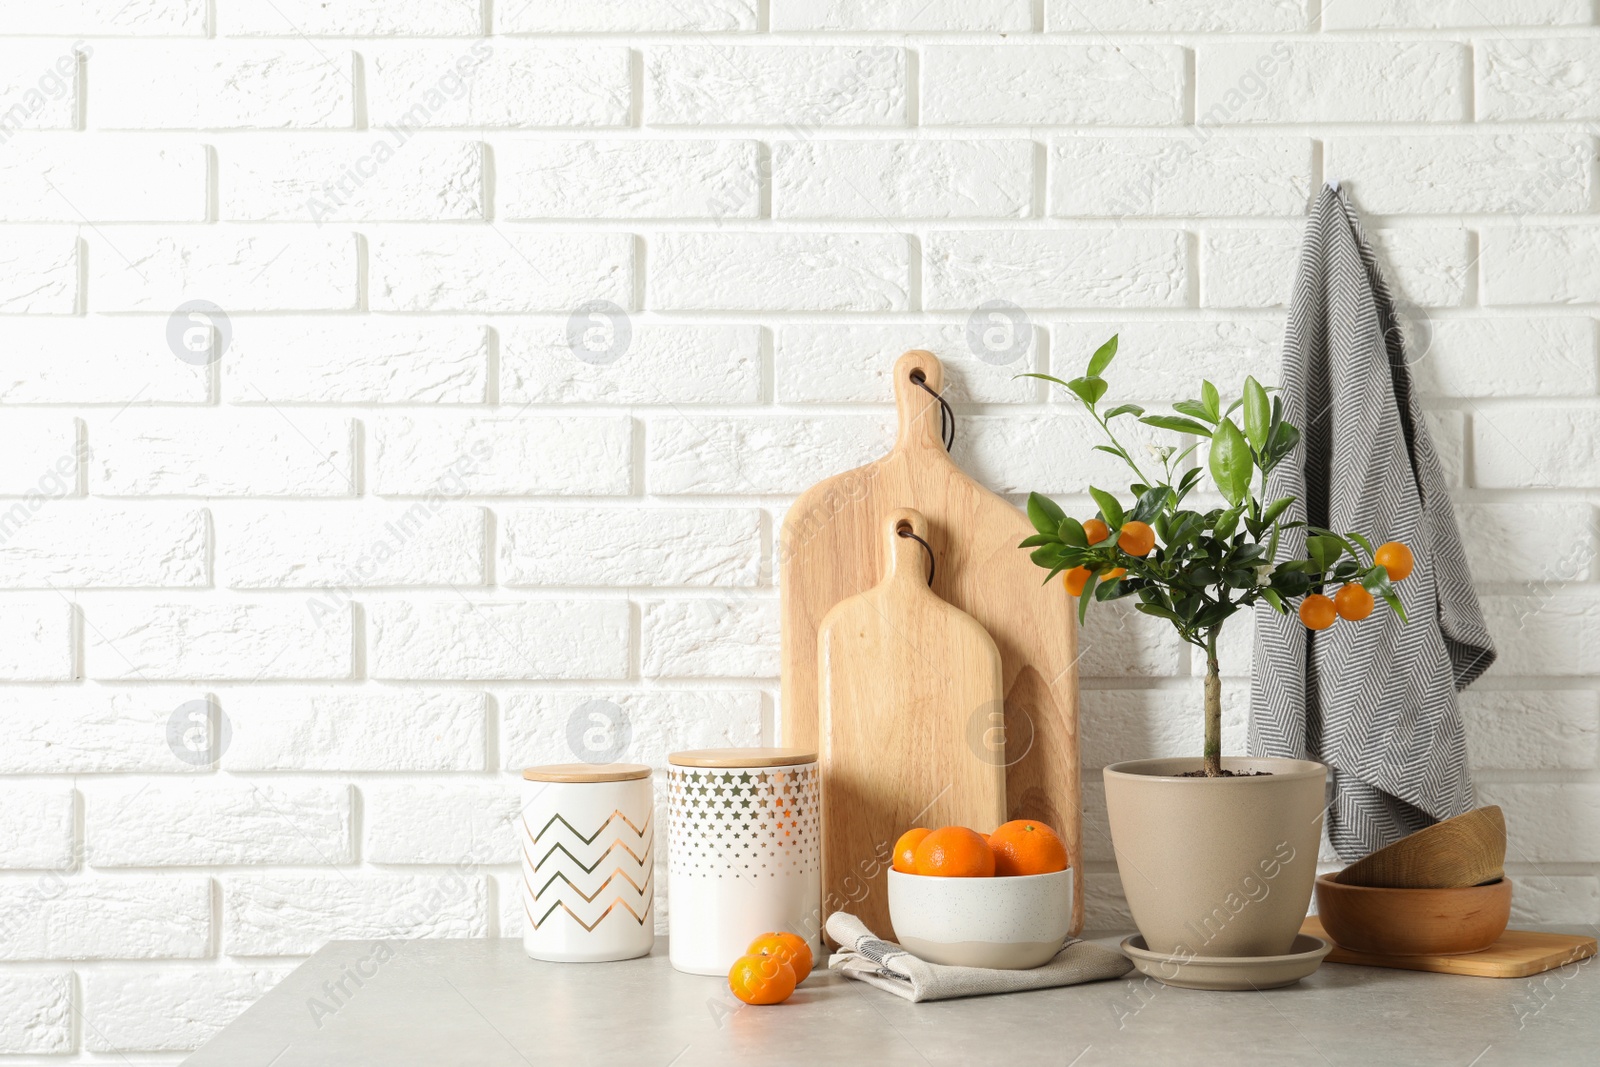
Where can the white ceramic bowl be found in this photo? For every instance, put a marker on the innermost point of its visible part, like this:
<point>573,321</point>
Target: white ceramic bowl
<point>1011,923</point>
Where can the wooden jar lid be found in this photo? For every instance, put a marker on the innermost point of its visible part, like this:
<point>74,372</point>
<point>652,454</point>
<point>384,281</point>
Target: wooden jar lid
<point>742,757</point>
<point>587,772</point>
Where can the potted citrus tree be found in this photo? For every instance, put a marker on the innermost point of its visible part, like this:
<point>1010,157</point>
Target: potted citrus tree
<point>1217,854</point>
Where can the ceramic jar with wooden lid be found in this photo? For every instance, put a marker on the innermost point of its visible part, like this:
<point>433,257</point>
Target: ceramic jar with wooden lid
<point>588,861</point>
<point>743,852</point>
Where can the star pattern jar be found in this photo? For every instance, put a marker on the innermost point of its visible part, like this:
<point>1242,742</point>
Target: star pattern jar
<point>743,852</point>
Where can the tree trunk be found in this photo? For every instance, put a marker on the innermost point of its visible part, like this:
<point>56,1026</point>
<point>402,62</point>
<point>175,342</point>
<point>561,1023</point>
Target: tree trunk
<point>1213,707</point>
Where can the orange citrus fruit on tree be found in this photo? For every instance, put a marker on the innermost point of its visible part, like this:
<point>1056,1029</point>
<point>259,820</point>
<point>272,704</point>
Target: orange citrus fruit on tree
<point>906,847</point>
<point>761,980</point>
<point>1078,577</point>
<point>1394,557</point>
<point>1024,846</point>
<point>1096,531</point>
<point>1352,602</point>
<point>788,948</point>
<point>1137,538</point>
<point>955,852</point>
<point>1075,580</point>
<point>1317,612</point>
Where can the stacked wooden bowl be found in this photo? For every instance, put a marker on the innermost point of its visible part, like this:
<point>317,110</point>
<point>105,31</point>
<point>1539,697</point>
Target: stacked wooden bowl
<point>1440,891</point>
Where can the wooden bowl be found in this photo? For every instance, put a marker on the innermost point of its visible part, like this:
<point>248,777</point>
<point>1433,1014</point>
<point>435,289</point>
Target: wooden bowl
<point>1414,922</point>
<point>1467,850</point>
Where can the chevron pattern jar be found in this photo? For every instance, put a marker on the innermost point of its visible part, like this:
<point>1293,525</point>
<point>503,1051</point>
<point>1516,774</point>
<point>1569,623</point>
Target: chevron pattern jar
<point>743,852</point>
<point>588,862</point>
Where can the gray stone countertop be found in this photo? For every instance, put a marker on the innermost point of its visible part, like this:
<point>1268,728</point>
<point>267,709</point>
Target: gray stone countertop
<point>486,1004</point>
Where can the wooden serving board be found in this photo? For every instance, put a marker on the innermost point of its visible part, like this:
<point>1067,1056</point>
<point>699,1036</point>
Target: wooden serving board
<point>1517,954</point>
<point>831,547</point>
<point>902,673</point>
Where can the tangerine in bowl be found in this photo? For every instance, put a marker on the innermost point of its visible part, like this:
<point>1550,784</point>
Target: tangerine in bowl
<point>967,899</point>
<point>1010,923</point>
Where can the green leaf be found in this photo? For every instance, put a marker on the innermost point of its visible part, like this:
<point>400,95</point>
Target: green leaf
<point>1088,390</point>
<point>1281,440</point>
<point>1110,510</point>
<point>1274,509</point>
<point>1344,544</point>
<point>1271,596</point>
<point>1190,476</point>
<point>1290,583</point>
<point>1325,550</point>
<point>1185,525</point>
<point>1102,357</point>
<point>1124,409</point>
<point>1176,423</point>
<point>1226,525</point>
<point>1086,596</point>
<point>1151,501</point>
<point>1241,577</point>
<point>1362,541</point>
<point>1257,413</point>
<point>1376,581</point>
<point>1044,377</point>
<point>1209,397</point>
<point>1044,513</point>
<point>1070,532</point>
<point>1160,612</point>
<point>1039,539</point>
<point>1110,590</point>
<point>1194,409</point>
<point>1048,556</point>
<point>1231,463</point>
<point>1114,451</point>
<point>1397,607</point>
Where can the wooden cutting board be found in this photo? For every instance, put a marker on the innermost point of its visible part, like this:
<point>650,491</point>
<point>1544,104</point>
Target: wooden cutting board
<point>902,674</point>
<point>1517,954</point>
<point>831,547</point>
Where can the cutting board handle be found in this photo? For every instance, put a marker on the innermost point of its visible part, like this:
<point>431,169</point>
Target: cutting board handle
<point>908,560</point>
<point>919,412</point>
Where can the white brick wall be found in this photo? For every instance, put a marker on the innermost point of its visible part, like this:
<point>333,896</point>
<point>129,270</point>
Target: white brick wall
<point>534,317</point>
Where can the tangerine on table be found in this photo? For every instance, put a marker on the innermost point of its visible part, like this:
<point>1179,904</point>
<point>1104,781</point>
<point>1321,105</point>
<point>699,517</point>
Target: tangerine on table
<point>1137,538</point>
<point>1026,846</point>
<point>1317,612</point>
<point>1352,602</point>
<point>1096,531</point>
<point>761,980</point>
<point>790,948</point>
<point>1394,557</point>
<point>955,852</point>
<point>905,849</point>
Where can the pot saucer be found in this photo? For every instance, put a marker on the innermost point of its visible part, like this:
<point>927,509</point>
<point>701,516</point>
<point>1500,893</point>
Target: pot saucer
<point>1229,972</point>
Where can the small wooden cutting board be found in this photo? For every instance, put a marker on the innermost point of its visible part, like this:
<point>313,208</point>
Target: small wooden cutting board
<point>831,547</point>
<point>904,676</point>
<point>1517,954</point>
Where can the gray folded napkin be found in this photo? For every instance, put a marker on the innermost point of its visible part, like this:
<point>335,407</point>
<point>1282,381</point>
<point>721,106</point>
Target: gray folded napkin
<point>888,966</point>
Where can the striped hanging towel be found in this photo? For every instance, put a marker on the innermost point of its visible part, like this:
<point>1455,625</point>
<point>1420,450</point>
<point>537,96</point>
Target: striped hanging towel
<point>1375,700</point>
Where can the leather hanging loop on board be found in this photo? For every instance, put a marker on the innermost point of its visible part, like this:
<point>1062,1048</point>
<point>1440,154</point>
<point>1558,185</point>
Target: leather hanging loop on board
<point>947,417</point>
<point>906,531</point>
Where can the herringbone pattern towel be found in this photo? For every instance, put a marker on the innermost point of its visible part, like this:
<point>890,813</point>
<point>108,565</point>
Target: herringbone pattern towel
<point>1376,701</point>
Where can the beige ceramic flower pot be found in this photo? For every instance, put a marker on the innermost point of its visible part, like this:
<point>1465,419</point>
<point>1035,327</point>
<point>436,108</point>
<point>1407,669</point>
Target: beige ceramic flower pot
<point>1217,866</point>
